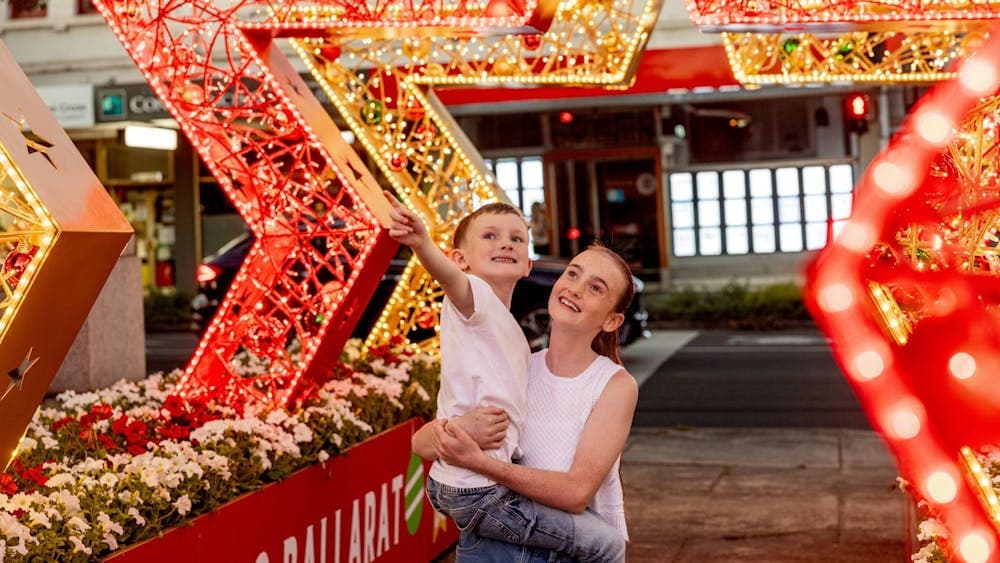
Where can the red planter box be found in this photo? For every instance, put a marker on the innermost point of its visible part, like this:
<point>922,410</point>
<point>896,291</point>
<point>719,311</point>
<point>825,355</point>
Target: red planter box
<point>366,505</point>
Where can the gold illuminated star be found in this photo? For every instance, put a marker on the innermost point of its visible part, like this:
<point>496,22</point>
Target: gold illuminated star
<point>34,141</point>
<point>17,374</point>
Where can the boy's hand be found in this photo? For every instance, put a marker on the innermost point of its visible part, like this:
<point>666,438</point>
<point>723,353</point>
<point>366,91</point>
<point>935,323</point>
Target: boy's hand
<point>405,228</point>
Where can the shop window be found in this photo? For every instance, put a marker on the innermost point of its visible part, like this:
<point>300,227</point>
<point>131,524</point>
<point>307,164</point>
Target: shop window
<point>85,7</point>
<point>521,179</point>
<point>26,9</point>
<point>760,210</point>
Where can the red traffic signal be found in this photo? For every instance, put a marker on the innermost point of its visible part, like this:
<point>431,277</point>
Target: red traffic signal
<point>856,112</point>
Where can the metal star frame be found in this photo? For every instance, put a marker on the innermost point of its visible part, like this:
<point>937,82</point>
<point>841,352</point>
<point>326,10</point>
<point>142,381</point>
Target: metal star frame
<point>883,57</point>
<point>383,89</point>
<point>60,237</point>
<point>908,294</point>
<point>315,210</point>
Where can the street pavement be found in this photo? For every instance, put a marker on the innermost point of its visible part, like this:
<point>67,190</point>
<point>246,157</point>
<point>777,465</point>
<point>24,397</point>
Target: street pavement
<point>754,493</point>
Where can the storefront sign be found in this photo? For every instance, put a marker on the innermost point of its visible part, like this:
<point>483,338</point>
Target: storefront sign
<point>367,505</point>
<point>138,102</point>
<point>127,102</point>
<point>73,105</point>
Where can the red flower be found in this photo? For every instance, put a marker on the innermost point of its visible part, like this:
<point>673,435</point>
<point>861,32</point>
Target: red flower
<point>102,411</point>
<point>107,443</point>
<point>135,449</point>
<point>119,425</point>
<point>62,422</point>
<point>7,484</point>
<point>35,474</point>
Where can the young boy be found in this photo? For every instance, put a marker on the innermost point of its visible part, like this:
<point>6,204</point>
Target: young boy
<point>484,362</point>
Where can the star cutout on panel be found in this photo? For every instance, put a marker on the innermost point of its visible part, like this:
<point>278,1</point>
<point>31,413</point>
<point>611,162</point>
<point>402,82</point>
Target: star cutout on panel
<point>17,374</point>
<point>34,141</point>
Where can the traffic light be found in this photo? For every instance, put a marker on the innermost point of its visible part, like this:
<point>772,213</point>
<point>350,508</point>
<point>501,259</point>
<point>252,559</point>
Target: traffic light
<point>857,110</point>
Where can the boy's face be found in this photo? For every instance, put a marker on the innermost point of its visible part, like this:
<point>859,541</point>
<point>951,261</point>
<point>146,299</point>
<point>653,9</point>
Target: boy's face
<point>495,248</point>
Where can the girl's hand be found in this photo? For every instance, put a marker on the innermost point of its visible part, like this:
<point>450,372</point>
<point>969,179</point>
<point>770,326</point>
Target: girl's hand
<point>405,228</point>
<point>453,445</point>
<point>486,425</point>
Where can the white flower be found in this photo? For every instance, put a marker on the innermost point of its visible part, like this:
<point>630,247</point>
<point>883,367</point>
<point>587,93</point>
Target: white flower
<point>78,545</point>
<point>133,512</point>
<point>322,456</point>
<point>183,505</point>
<point>930,529</point>
<point>78,523</point>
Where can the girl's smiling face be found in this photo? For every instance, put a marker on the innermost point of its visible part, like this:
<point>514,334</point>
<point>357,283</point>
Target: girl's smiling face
<point>587,293</point>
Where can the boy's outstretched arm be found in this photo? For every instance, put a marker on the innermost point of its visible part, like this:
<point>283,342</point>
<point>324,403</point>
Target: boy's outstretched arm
<point>406,228</point>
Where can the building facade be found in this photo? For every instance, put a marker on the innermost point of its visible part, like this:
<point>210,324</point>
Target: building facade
<point>692,178</point>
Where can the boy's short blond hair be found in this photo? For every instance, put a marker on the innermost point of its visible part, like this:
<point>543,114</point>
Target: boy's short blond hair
<point>495,208</point>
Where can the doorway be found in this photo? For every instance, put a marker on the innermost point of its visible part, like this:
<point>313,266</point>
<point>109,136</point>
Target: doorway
<point>614,197</point>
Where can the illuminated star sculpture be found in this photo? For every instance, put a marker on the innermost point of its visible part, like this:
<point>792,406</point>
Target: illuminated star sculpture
<point>60,237</point>
<point>908,294</point>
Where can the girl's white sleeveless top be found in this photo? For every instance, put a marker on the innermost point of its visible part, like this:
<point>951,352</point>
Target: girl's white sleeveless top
<point>558,408</point>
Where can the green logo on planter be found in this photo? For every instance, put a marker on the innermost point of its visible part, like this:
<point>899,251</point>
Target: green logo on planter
<point>414,494</point>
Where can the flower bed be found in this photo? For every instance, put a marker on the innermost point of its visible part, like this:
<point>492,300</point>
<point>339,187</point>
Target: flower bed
<point>97,471</point>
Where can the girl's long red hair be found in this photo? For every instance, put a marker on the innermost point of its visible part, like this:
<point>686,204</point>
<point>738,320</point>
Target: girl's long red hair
<point>606,343</point>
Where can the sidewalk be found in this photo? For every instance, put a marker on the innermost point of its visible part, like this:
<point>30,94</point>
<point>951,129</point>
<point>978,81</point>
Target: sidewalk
<point>762,495</point>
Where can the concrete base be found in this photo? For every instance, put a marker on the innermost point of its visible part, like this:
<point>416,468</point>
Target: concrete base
<point>111,343</point>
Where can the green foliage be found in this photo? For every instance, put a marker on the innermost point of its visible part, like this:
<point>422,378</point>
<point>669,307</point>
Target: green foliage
<point>166,310</point>
<point>732,306</point>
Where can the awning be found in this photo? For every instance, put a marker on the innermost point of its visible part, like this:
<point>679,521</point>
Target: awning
<point>662,71</point>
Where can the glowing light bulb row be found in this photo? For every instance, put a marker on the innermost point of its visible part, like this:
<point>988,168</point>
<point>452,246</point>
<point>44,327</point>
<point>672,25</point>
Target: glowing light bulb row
<point>773,15</point>
<point>878,57</point>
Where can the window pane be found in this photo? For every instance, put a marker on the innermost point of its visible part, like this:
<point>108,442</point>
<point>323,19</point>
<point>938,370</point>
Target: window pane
<point>734,184</point>
<point>788,181</point>
<point>708,213</point>
<point>762,210</point>
<point>763,239</point>
<point>736,212</point>
<point>737,241</point>
<point>710,241</point>
<point>815,235</point>
<point>507,174</point>
<point>708,185</point>
<point>788,210</point>
<point>815,207</point>
<point>682,215</point>
<point>760,182</point>
<point>841,178</point>
<point>681,188</point>
<point>814,180</point>
<point>683,242</point>
<point>514,198</point>
<point>791,238</point>
<point>531,173</point>
<point>530,197</point>
<point>840,206</point>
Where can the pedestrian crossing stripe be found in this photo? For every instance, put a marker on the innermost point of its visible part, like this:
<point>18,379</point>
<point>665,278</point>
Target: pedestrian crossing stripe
<point>414,494</point>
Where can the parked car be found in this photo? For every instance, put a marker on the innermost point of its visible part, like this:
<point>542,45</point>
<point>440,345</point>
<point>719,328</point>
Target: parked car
<point>529,304</point>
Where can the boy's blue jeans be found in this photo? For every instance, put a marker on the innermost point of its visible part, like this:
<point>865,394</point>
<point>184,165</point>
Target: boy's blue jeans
<point>497,512</point>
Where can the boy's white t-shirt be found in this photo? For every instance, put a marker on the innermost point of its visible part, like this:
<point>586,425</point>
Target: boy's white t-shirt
<point>484,362</point>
